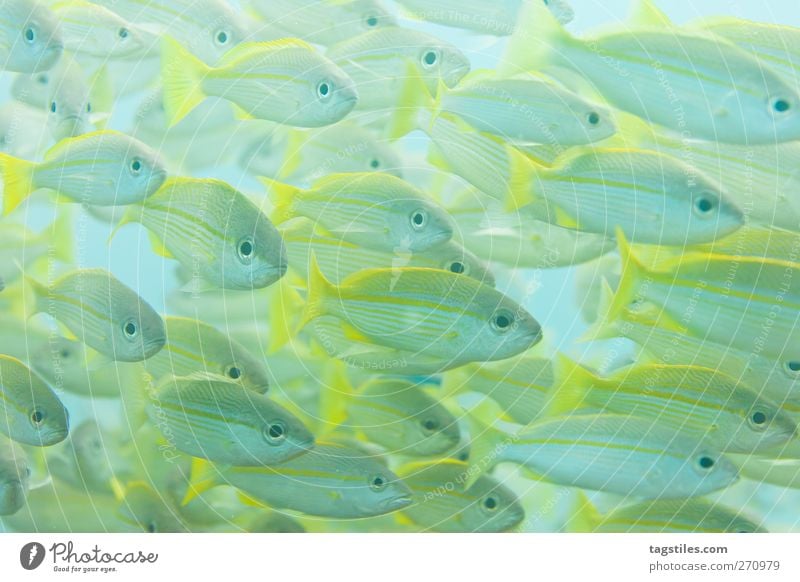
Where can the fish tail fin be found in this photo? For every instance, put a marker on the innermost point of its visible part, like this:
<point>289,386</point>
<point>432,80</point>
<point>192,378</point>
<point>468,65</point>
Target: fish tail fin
<point>572,386</point>
<point>646,13</point>
<point>414,97</point>
<point>319,289</point>
<point>633,271</point>
<point>204,476</point>
<point>335,393</point>
<point>134,397</point>
<point>522,180</point>
<point>602,327</point>
<point>537,38</point>
<point>455,382</point>
<point>284,303</point>
<point>17,181</point>
<point>60,235</point>
<point>183,74</point>
<point>36,292</point>
<point>486,442</point>
<point>283,196</point>
<point>585,517</point>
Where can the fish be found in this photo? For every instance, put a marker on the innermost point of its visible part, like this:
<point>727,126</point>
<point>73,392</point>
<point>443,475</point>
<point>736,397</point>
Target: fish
<point>23,129</point>
<point>93,30</point>
<point>637,191</point>
<point>194,346</point>
<point>85,460</point>
<point>443,504</point>
<point>339,259</point>
<point>323,23</point>
<point>377,211</point>
<point>496,18</point>
<point>104,168</point>
<point>19,245</point>
<point>69,106</point>
<point>208,416</point>
<point>30,37</point>
<point>303,156</point>
<point>722,411</point>
<point>15,475</point>
<point>285,81</point>
<point>526,109</point>
<point>34,414</point>
<point>614,453</point>
<point>747,303</point>
<point>659,69</point>
<point>436,313</point>
<point>214,231</point>
<point>373,59</point>
<point>398,415</point>
<point>333,480</point>
<point>143,507</point>
<point>667,516</point>
<point>103,313</point>
<point>521,386</point>
<point>209,28</point>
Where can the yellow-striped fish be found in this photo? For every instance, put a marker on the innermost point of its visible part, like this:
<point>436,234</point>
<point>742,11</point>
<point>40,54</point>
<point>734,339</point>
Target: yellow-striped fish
<point>104,168</point>
<point>31,412</point>
<point>377,211</point>
<point>333,480</point>
<point>30,37</point>
<point>285,81</point>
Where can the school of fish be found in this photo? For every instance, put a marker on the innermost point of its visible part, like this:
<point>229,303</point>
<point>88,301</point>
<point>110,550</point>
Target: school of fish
<point>301,265</point>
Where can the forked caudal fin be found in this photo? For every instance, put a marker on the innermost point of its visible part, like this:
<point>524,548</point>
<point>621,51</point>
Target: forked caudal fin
<point>182,75</point>
<point>18,184</point>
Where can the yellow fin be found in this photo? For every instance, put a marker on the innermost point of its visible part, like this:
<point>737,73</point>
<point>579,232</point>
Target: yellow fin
<point>282,195</point>
<point>204,476</point>
<point>572,385</point>
<point>319,289</point>
<point>522,178</point>
<point>486,442</point>
<point>158,246</point>
<point>646,13</point>
<point>17,181</point>
<point>182,74</point>
<point>284,303</point>
<point>585,517</point>
<point>414,97</point>
<point>335,394</point>
<point>632,272</point>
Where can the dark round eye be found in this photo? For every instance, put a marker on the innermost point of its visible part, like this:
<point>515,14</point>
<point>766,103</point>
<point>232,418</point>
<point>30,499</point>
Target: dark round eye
<point>374,164</point>
<point>37,417</point>
<point>502,320</point>
<point>136,165</point>
<point>65,353</point>
<point>430,424</point>
<point>705,462</point>
<point>275,432</point>
<point>123,33</point>
<point>151,527</point>
<point>703,205</point>
<point>234,373</point>
<point>593,118</point>
<point>490,503</point>
<point>418,219</point>
<point>88,108</point>
<point>324,90</point>
<point>793,366</point>
<point>53,106</point>
<point>429,59</point>
<point>221,37</point>
<point>30,35</point>
<point>780,105</point>
<point>246,249</point>
<point>130,329</point>
<point>42,79</point>
<point>457,267</point>
<point>377,482</point>
<point>758,418</point>
<point>372,21</point>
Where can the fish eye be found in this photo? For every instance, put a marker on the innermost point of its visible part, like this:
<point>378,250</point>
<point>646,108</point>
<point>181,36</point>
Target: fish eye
<point>136,165</point>
<point>377,482</point>
<point>457,267</point>
<point>151,527</point>
<point>375,163</point>
<point>324,90</point>
<point>792,367</point>
<point>705,462</point>
<point>30,35</point>
<point>123,33</point>
<point>418,219</point>
<point>37,417</point>
<point>245,249</point>
<point>130,329</point>
<point>372,21</point>
<point>490,503</point>
<point>42,79</point>
<point>780,105</point>
<point>430,425</point>
<point>758,419</point>
<point>275,432</point>
<point>88,107</point>
<point>429,58</point>
<point>502,320</point>
<point>703,205</point>
<point>28,472</point>
<point>233,372</point>
<point>65,353</point>
<point>53,107</point>
<point>221,38</point>
<point>593,118</point>
<point>463,456</point>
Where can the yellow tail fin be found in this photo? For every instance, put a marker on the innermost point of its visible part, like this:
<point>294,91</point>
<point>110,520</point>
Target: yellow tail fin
<point>319,289</point>
<point>182,75</point>
<point>572,386</point>
<point>633,271</point>
<point>284,305</point>
<point>282,196</point>
<point>486,442</point>
<point>414,97</point>
<point>204,476</point>
<point>17,181</point>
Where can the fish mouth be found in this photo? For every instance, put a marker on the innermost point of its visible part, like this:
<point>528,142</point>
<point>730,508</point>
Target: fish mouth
<point>454,77</point>
<point>396,503</point>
